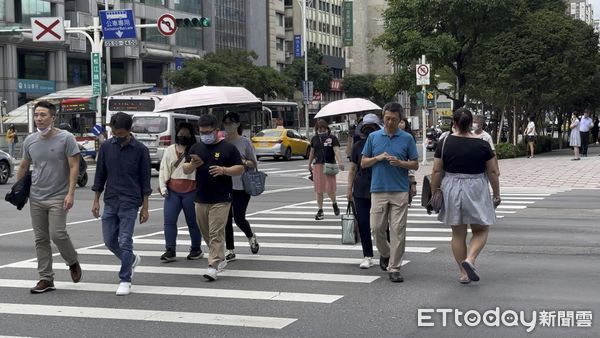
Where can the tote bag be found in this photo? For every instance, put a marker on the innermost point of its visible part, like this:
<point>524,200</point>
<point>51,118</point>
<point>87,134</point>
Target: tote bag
<point>254,182</point>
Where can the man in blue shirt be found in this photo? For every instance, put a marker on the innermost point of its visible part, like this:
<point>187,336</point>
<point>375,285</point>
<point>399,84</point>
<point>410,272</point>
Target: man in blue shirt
<point>123,166</point>
<point>391,152</point>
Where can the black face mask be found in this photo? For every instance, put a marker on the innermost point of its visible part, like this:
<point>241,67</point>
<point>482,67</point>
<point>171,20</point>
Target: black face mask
<point>120,140</point>
<point>367,130</point>
<point>184,140</point>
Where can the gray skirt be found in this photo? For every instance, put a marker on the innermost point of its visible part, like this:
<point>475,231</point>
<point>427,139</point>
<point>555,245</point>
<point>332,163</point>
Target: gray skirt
<point>467,200</point>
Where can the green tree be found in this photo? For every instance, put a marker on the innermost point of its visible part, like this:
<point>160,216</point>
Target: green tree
<point>232,68</point>
<point>319,73</point>
<point>367,86</point>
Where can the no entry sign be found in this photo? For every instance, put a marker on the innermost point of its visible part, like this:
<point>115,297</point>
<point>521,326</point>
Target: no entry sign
<point>166,24</point>
<point>423,72</point>
<point>47,29</point>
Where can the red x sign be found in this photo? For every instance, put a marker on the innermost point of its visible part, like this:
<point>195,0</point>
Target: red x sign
<point>47,29</point>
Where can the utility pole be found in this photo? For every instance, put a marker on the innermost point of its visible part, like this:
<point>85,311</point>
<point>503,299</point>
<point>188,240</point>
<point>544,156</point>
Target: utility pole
<point>424,116</point>
<point>305,47</point>
<point>107,60</point>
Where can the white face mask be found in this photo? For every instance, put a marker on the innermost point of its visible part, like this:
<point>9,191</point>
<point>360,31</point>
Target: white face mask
<point>44,131</point>
<point>475,126</point>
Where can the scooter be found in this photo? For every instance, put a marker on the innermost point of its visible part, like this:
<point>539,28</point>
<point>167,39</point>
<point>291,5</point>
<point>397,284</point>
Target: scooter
<point>82,179</point>
<point>432,137</point>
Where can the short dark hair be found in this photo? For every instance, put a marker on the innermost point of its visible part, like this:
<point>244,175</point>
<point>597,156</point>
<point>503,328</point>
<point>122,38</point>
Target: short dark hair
<point>322,124</point>
<point>463,118</point>
<point>235,118</point>
<point>121,120</point>
<point>46,104</point>
<point>208,120</point>
<point>393,107</point>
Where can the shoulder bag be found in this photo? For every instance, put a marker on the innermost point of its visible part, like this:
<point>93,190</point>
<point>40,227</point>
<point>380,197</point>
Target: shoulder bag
<point>254,181</point>
<point>329,169</point>
<point>349,226</point>
<point>437,197</point>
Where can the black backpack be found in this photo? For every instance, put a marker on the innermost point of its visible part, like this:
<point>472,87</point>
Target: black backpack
<point>19,193</point>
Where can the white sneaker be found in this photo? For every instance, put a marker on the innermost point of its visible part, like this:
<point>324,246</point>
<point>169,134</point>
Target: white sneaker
<point>124,289</point>
<point>366,263</point>
<point>211,274</point>
<point>136,261</point>
<point>221,266</point>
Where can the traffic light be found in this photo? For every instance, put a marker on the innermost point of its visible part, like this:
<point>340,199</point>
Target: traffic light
<point>193,22</point>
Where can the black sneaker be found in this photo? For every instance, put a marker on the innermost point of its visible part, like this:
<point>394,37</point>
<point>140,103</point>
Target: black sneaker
<point>168,256</point>
<point>229,256</point>
<point>383,263</point>
<point>336,210</point>
<point>43,286</point>
<point>319,216</point>
<point>253,244</point>
<point>195,254</point>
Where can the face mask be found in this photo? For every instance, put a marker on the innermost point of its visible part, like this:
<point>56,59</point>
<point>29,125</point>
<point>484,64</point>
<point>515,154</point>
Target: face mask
<point>367,131</point>
<point>323,135</point>
<point>475,126</point>
<point>44,131</point>
<point>183,140</point>
<point>208,139</point>
<point>120,140</point>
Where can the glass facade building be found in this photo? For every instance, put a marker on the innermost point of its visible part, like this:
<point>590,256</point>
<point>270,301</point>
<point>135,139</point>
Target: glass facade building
<point>230,24</point>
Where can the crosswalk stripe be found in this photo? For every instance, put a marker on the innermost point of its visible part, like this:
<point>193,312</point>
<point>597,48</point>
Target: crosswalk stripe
<point>287,171</point>
<point>146,315</point>
<point>184,291</point>
<point>310,246</point>
<point>307,276</point>
<point>338,227</point>
<point>257,257</point>
<point>335,236</point>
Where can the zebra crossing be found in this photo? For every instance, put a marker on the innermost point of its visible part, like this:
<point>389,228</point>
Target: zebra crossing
<point>301,261</point>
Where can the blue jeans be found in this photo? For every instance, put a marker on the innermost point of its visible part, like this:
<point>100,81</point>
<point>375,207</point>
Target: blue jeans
<point>11,149</point>
<point>363,214</point>
<point>117,230</point>
<point>174,202</point>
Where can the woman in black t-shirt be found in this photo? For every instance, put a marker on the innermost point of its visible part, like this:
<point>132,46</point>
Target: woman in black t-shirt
<point>467,165</point>
<point>324,148</point>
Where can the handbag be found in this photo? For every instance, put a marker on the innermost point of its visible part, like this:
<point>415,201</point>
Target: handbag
<point>436,202</point>
<point>349,232</point>
<point>19,193</point>
<point>331,169</point>
<point>254,182</point>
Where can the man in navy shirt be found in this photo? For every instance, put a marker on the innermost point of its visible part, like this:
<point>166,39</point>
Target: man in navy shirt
<point>123,167</point>
<point>391,152</point>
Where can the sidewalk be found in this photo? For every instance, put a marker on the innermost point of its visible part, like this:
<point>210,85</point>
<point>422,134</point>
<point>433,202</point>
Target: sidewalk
<point>551,170</point>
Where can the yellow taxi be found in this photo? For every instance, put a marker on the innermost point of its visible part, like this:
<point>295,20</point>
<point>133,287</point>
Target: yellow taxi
<point>280,143</point>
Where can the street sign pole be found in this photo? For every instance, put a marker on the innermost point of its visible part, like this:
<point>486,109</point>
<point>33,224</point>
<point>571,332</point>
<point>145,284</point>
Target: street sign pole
<point>108,65</point>
<point>97,48</point>
<point>424,101</point>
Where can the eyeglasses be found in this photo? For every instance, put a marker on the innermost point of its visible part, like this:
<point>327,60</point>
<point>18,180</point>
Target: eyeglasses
<point>207,132</point>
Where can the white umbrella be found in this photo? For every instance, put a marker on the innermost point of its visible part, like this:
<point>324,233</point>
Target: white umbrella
<point>206,96</point>
<point>346,106</point>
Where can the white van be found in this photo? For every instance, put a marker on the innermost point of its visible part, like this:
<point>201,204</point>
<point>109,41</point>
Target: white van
<point>157,131</point>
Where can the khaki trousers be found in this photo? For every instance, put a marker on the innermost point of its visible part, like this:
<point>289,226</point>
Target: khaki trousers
<point>390,208</point>
<point>211,219</point>
<point>49,222</point>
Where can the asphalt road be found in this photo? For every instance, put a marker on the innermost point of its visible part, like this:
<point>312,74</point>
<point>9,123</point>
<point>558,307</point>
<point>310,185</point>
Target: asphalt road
<point>541,256</point>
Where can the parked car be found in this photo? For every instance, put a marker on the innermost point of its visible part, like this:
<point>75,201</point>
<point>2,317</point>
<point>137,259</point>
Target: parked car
<point>157,131</point>
<point>280,143</point>
<point>7,167</point>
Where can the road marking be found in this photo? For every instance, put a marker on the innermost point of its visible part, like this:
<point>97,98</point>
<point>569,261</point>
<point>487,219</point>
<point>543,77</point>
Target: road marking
<point>257,257</point>
<point>184,291</point>
<point>311,246</point>
<point>146,315</point>
<point>287,171</point>
<point>338,227</point>
<point>307,276</point>
<point>15,232</point>
<point>336,236</point>
<point>285,190</point>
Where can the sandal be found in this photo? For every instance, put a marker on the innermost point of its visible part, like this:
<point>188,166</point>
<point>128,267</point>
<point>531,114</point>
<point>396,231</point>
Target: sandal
<point>464,280</point>
<point>471,271</point>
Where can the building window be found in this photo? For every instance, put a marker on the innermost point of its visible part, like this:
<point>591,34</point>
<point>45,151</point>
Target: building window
<point>152,34</point>
<point>279,44</point>
<point>188,6</point>
<point>189,37</point>
<point>280,19</point>
<point>230,26</point>
<point>78,72</point>
<point>27,9</point>
<point>160,3</point>
<point>288,3</point>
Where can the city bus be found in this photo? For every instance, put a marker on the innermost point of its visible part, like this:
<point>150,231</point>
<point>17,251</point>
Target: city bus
<point>282,113</point>
<point>78,116</point>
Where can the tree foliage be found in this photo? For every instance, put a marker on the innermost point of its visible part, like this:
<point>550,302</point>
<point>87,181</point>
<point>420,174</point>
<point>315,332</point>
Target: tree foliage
<point>319,73</point>
<point>232,68</point>
<point>367,86</point>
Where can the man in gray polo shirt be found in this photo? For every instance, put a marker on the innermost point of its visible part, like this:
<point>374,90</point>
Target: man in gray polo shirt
<point>53,155</point>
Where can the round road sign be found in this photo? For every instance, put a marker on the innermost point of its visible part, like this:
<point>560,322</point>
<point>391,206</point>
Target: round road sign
<point>166,24</point>
<point>423,70</point>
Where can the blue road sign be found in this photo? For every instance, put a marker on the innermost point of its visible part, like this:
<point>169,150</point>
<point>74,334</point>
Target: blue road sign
<point>118,24</point>
<point>97,130</point>
<point>179,63</point>
<point>297,46</point>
